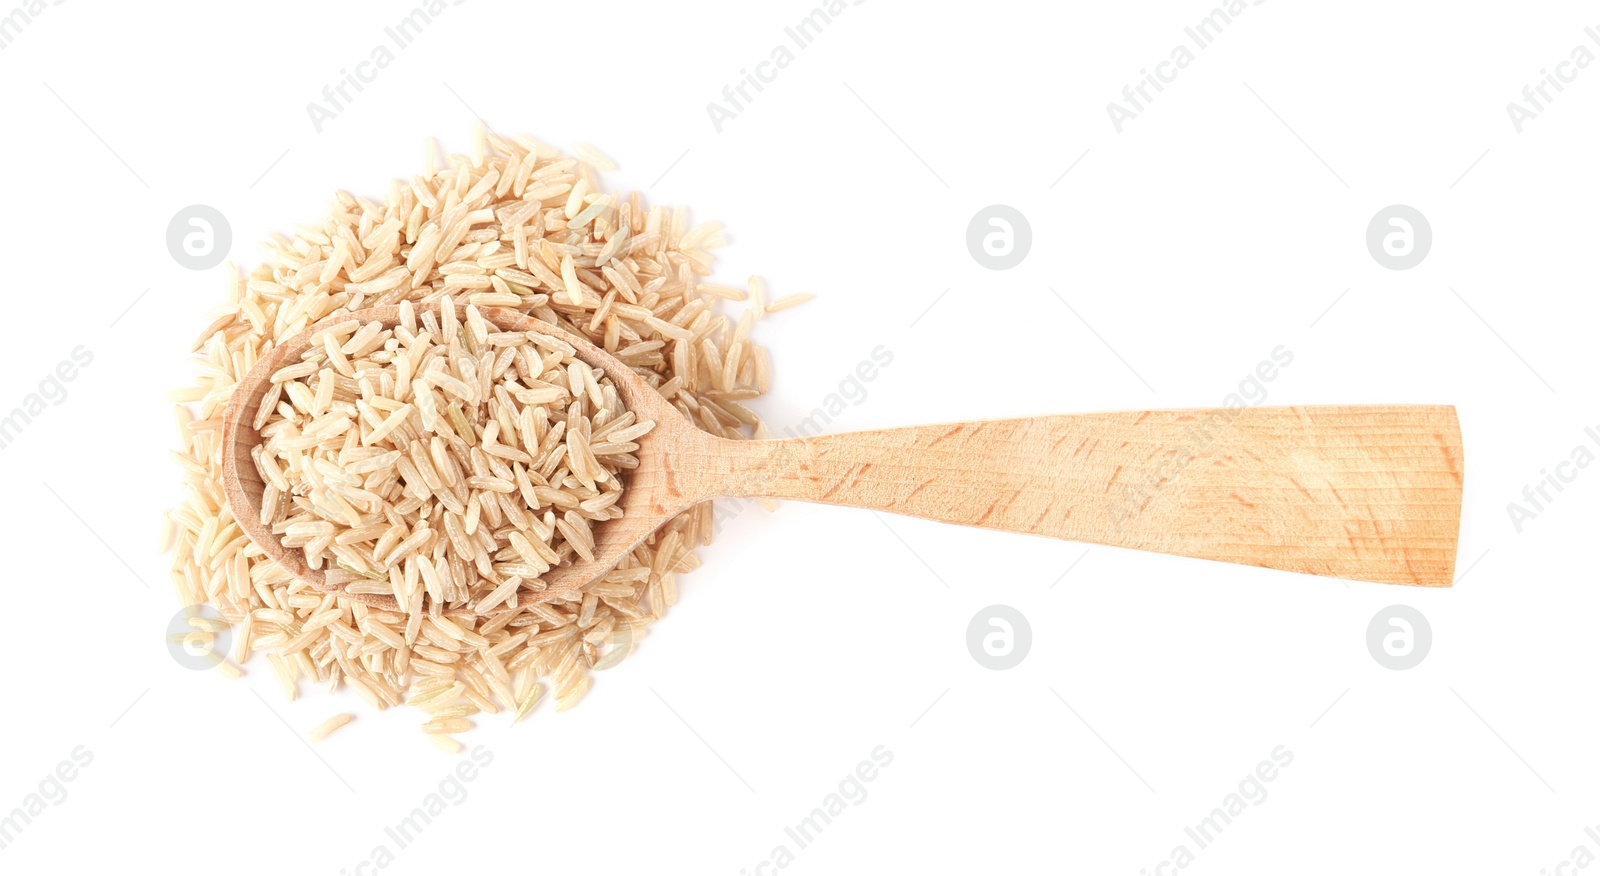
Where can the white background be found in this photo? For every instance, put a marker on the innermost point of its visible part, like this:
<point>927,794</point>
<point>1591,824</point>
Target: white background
<point>1221,223</point>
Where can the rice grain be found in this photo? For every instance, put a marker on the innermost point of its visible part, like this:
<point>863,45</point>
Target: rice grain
<point>322,730</point>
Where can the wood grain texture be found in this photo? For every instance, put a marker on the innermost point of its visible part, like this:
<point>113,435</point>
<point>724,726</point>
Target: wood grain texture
<point>1364,493</point>
<point>1370,493</point>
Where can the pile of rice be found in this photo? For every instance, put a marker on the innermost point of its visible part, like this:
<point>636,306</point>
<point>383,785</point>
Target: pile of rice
<point>415,461</point>
<point>519,225</point>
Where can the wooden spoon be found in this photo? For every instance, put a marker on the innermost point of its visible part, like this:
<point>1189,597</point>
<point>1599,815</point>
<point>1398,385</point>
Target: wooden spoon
<point>1370,493</point>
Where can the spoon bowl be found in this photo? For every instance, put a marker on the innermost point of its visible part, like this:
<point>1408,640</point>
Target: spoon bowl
<point>651,497</point>
<point>1369,493</point>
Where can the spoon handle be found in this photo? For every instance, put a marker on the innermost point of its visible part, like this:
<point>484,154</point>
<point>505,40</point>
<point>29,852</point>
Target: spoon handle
<point>1370,493</point>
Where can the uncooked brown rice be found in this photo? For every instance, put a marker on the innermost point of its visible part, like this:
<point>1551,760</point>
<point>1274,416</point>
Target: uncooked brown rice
<point>447,744</point>
<point>789,301</point>
<point>322,730</point>
<point>513,224</point>
<point>440,462</point>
